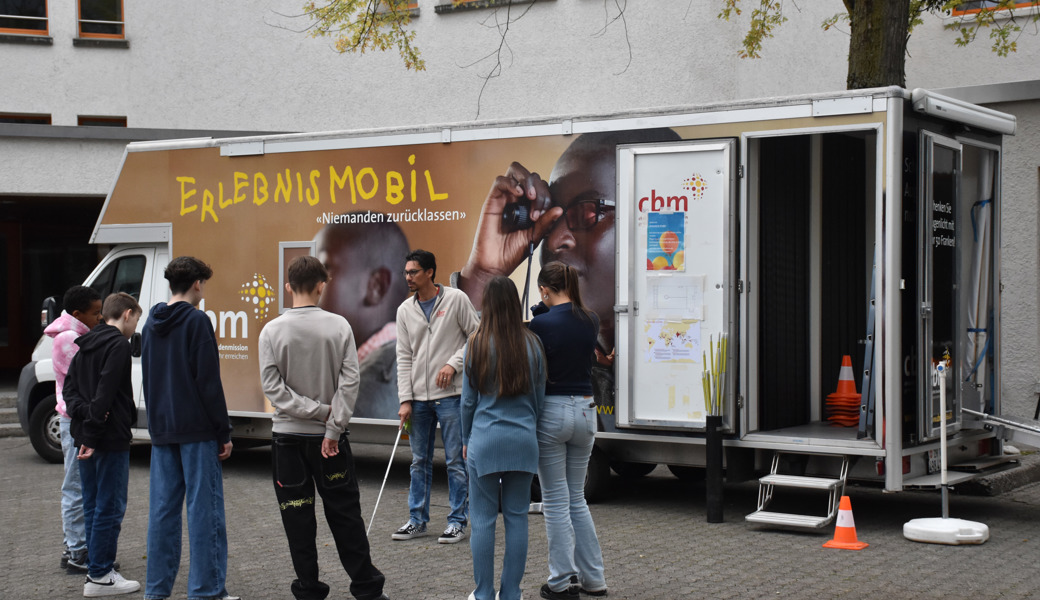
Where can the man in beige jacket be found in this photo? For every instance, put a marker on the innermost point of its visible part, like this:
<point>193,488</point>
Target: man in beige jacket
<point>432,328</point>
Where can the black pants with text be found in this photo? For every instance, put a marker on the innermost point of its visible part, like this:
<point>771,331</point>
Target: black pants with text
<point>298,467</point>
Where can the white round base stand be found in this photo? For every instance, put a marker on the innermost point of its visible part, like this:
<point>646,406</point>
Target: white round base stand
<point>953,532</point>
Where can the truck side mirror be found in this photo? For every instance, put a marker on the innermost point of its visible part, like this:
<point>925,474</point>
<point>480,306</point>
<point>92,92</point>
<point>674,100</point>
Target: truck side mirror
<point>135,345</point>
<point>49,311</point>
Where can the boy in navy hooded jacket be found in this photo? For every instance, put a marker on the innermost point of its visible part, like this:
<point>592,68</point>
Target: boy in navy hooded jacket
<point>191,434</point>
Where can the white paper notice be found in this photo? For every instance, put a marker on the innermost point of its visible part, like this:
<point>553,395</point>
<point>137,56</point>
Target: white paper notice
<point>681,296</point>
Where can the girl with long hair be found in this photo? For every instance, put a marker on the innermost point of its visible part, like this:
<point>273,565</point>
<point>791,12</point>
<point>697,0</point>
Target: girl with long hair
<point>503,390</point>
<point>566,433</point>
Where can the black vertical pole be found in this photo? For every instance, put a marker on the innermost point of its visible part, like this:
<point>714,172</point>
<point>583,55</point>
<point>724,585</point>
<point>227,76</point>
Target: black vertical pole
<point>713,458</point>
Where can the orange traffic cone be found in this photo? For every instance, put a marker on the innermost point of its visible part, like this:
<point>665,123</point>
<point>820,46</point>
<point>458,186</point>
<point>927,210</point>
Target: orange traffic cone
<point>843,406</point>
<point>845,529</point>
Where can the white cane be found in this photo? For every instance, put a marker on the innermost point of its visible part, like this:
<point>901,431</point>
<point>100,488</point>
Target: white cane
<point>380,496</point>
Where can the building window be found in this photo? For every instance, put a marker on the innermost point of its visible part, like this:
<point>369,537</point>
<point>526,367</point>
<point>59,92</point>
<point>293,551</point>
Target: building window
<point>23,16</point>
<point>973,6</point>
<point>92,121</point>
<point>101,19</point>
<point>25,119</point>
<point>385,7</point>
<point>450,6</point>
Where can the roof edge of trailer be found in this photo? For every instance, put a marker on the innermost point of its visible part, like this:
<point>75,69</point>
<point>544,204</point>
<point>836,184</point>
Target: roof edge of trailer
<point>938,105</point>
<point>446,132</point>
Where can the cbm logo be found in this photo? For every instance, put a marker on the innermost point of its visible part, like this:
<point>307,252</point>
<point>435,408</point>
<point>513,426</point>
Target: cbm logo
<point>664,203</point>
<point>695,184</point>
<point>226,324</point>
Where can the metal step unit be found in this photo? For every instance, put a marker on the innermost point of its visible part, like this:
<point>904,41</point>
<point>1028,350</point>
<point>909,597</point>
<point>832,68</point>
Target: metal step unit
<point>833,486</point>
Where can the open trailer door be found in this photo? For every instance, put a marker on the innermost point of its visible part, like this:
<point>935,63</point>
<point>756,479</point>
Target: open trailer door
<point>676,266</point>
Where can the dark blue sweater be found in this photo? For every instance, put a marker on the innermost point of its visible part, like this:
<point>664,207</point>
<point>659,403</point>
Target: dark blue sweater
<point>569,340</point>
<point>181,377</point>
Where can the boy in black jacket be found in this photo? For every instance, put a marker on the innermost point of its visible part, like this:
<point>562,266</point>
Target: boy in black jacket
<point>99,399</point>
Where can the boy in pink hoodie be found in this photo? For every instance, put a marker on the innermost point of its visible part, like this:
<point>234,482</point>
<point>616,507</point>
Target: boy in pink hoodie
<point>82,313</point>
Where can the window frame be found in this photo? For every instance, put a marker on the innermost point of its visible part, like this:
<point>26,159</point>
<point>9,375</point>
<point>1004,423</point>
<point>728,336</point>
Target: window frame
<point>450,6</point>
<point>104,36</point>
<point>968,12</point>
<point>100,121</point>
<point>25,119</point>
<point>412,8</point>
<point>46,31</point>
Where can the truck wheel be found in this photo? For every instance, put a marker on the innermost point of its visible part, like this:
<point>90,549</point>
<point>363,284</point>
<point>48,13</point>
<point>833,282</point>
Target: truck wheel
<point>597,478</point>
<point>689,474</point>
<point>631,470</point>
<point>45,431</point>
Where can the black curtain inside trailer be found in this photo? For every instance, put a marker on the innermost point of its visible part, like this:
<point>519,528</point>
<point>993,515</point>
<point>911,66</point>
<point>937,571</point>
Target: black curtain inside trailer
<point>845,260</point>
<point>784,211</point>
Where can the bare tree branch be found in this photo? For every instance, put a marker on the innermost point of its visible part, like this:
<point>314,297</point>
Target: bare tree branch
<point>503,49</point>
<point>621,6</point>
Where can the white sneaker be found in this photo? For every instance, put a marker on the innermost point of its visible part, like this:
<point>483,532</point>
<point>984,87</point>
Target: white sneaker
<point>409,531</point>
<point>472,597</point>
<point>452,535</point>
<point>111,584</point>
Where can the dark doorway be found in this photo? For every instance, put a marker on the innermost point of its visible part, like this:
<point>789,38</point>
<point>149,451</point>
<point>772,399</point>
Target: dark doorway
<point>44,250</point>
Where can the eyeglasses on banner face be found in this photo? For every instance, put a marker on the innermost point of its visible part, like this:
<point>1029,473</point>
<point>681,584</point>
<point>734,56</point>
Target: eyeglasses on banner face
<point>584,214</point>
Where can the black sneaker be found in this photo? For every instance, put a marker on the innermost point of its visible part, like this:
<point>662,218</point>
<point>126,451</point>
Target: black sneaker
<point>597,593</point>
<point>452,535</point>
<point>571,593</point>
<point>77,562</point>
<point>409,531</point>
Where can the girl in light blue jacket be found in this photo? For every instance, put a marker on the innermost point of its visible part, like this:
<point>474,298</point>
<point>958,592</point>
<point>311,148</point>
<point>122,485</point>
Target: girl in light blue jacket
<point>503,391</point>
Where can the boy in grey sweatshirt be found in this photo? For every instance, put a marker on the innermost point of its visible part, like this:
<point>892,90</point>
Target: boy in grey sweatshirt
<point>309,372</point>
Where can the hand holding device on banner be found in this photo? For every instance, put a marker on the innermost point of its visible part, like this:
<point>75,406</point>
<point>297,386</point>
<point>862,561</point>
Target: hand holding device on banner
<point>497,249</point>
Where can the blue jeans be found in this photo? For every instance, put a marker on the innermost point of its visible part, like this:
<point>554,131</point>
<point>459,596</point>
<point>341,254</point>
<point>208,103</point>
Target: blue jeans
<point>425,416</point>
<point>192,470</point>
<point>71,494</point>
<point>516,499</point>
<point>104,476</point>
<point>566,433</point>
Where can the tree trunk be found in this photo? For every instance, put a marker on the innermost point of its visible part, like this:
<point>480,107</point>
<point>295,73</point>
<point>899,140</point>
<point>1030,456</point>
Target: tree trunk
<point>877,48</point>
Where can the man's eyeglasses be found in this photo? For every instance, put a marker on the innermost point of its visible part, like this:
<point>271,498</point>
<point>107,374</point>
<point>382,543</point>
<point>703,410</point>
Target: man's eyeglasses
<point>584,214</point>
<point>412,272</point>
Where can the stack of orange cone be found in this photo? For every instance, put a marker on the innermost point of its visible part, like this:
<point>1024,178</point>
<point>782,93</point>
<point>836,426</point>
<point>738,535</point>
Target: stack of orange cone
<point>843,406</point>
<point>845,529</point>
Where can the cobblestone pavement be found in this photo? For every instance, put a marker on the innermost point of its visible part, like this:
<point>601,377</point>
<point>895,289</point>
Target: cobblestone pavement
<point>655,539</point>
